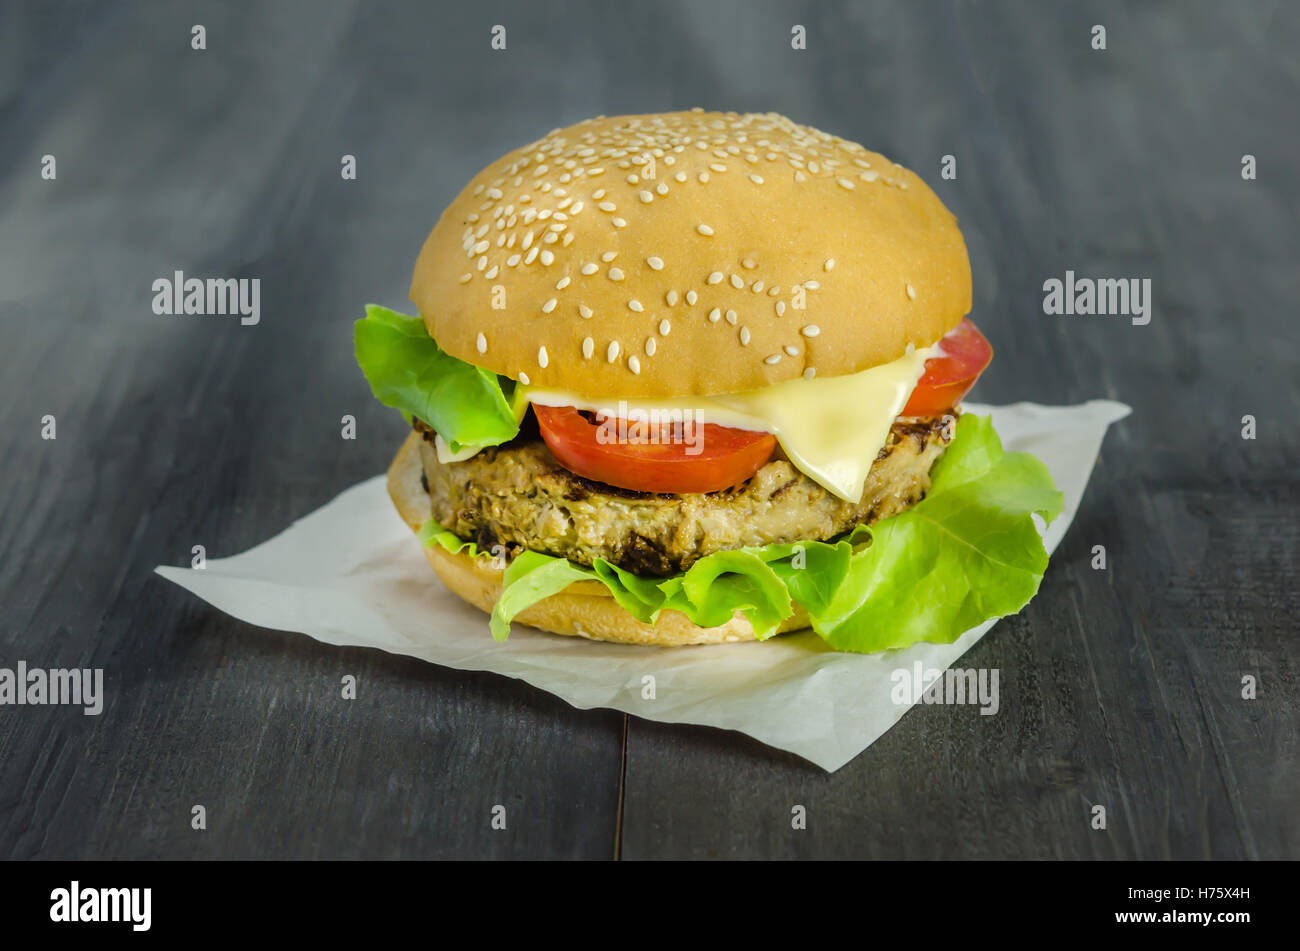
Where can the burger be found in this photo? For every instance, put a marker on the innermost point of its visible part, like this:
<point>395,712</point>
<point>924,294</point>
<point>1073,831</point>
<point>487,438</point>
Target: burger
<point>695,377</point>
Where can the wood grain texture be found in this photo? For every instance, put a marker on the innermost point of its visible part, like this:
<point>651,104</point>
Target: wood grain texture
<point>1120,688</point>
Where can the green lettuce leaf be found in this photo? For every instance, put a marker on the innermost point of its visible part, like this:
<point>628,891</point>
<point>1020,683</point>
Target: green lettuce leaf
<point>968,552</point>
<point>530,578</point>
<point>467,406</point>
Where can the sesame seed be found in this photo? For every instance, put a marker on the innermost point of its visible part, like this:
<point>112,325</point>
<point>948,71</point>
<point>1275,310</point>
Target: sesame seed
<point>731,317</point>
<point>737,282</point>
<point>664,327</point>
<point>467,277</point>
<point>680,176</point>
<point>772,359</point>
<point>812,285</point>
<point>756,179</point>
<point>661,189</point>
<point>810,330</point>
<point>718,167</point>
<point>656,263</point>
<point>714,278</point>
<point>704,230</point>
<point>715,315</point>
<point>588,348</point>
<point>634,364</point>
<point>491,272</point>
<point>611,352</point>
<point>548,306</point>
<point>548,258</point>
<point>798,176</point>
<point>749,264</point>
<point>647,197</point>
<point>607,206</point>
<point>869,176</point>
<point>480,344</point>
<point>635,305</point>
<point>615,274</point>
<point>650,346</point>
<point>523,378</point>
<point>692,297</point>
<point>792,350</point>
<point>531,256</point>
<point>830,264</point>
<point>757,287</point>
<point>513,260</point>
<point>671,298</point>
<point>911,292</point>
<point>780,308</point>
<point>562,283</point>
<point>619,222</point>
<point>703,177</point>
<point>744,336</point>
<point>585,311</point>
<point>542,357</point>
<point>809,373</point>
<point>845,183</point>
<point>609,256</point>
<point>588,268</point>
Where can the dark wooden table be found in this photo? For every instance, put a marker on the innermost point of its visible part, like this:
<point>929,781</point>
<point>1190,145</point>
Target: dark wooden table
<point>1120,687</point>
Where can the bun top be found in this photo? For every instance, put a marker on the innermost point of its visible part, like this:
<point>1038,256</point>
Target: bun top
<point>690,254</point>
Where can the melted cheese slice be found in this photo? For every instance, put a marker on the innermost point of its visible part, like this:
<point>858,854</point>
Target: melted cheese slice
<point>831,429</point>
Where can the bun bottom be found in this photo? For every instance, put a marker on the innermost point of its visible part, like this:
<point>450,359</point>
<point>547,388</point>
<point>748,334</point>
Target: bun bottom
<point>584,609</point>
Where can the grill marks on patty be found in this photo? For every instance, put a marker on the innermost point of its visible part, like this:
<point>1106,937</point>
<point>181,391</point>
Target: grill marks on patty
<point>518,496</point>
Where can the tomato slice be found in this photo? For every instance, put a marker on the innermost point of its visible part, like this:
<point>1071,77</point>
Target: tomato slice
<point>669,458</point>
<point>949,377</point>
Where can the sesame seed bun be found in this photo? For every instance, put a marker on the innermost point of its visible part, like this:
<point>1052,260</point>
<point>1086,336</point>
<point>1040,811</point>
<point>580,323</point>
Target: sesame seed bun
<point>613,283</point>
<point>584,609</point>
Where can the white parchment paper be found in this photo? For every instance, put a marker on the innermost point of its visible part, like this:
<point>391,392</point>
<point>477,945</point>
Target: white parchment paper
<point>351,573</point>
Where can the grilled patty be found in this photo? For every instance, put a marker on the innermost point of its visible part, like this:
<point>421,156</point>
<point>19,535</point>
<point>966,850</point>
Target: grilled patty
<point>516,495</point>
